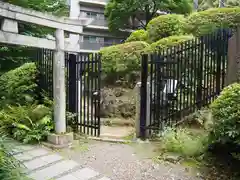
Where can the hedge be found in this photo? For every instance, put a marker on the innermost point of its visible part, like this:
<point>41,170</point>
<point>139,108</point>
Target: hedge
<point>18,83</point>
<point>226,116</point>
<point>164,26</point>
<point>169,42</point>
<point>138,35</point>
<point>206,22</point>
<point>121,63</point>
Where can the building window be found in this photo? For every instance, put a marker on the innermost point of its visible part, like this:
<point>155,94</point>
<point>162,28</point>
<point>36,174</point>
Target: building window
<point>91,39</point>
<point>94,15</point>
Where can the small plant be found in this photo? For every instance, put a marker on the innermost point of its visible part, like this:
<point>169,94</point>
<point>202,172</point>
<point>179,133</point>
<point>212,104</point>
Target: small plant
<point>9,167</point>
<point>183,142</point>
<point>30,123</point>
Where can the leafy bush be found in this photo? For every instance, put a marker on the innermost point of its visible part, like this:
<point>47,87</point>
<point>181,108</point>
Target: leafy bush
<point>9,167</point>
<point>184,142</point>
<point>226,116</point>
<point>29,123</point>
<point>164,26</point>
<point>138,35</point>
<point>121,63</point>
<point>18,84</point>
<point>205,22</point>
<point>169,42</point>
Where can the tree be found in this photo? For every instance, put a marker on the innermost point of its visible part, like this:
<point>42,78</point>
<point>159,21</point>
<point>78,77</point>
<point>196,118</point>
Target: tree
<point>56,7</point>
<point>119,12</point>
<point>14,56</point>
<point>206,4</point>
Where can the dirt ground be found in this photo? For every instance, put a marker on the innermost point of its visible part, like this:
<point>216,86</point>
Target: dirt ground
<point>125,161</point>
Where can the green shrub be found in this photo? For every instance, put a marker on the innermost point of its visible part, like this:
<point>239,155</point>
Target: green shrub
<point>206,22</point>
<point>170,42</point>
<point>9,167</point>
<point>226,116</point>
<point>18,84</point>
<point>138,35</point>
<point>121,63</point>
<point>184,142</point>
<point>28,123</point>
<point>164,26</point>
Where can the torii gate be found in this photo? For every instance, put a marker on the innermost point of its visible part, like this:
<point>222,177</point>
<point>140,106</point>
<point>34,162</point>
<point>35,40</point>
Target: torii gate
<point>11,15</point>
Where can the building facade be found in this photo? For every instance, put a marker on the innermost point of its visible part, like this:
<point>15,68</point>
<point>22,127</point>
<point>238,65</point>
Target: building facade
<point>96,35</point>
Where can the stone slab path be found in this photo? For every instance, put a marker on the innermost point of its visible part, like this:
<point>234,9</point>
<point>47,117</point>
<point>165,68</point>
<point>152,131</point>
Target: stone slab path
<point>40,163</point>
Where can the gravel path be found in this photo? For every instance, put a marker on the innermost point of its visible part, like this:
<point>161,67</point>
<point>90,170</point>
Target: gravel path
<point>125,162</point>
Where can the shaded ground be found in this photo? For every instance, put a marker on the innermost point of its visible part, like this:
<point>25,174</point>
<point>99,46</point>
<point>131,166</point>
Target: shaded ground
<point>125,161</point>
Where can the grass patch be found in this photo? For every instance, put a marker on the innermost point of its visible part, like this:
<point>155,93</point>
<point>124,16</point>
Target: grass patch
<point>184,142</point>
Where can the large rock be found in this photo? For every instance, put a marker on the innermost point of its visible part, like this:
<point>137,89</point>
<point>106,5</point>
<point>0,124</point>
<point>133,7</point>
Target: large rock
<point>117,102</point>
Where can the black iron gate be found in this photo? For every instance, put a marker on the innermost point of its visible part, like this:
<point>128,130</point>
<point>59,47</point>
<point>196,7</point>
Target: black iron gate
<point>84,74</point>
<point>179,80</point>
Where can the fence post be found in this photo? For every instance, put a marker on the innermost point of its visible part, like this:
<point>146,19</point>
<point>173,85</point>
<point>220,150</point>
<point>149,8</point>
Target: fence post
<point>200,74</point>
<point>220,52</point>
<point>237,57</point>
<point>59,90</point>
<point>72,88</point>
<point>143,96</point>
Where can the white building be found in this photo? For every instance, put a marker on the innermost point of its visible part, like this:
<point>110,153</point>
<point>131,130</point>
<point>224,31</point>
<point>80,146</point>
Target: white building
<point>96,35</point>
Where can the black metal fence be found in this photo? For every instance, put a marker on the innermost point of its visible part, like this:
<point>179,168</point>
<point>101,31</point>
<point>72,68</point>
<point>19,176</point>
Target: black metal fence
<point>179,80</point>
<point>82,73</point>
<point>84,92</point>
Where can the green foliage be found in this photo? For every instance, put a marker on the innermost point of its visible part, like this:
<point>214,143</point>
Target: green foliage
<point>184,142</point>
<point>9,167</point>
<point>56,7</point>
<point>28,123</point>
<point>118,12</point>
<point>18,84</point>
<point>121,63</point>
<point>206,4</point>
<point>170,42</point>
<point>226,116</point>
<point>138,35</point>
<point>206,22</point>
<point>164,26</point>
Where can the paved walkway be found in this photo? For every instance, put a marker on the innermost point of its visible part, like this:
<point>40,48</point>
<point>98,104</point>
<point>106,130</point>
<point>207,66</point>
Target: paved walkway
<point>41,163</point>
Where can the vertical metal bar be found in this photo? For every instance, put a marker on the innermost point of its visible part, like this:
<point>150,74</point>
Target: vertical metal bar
<point>196,51</point>
<point>225,47</point>
<point>157,90</point>
<point>88,93</point>
<point>152,83</point>
<point>96,93</point>
<point>180,48</point>
<point>213,67</point>
<point>208,73</point>
<point>73,98</point>
<point>80,91</point>
<point>92,91</point>
<point>200,74</point>
<point>99,94</point>
<point>192,70</point>
<point>83,92</point>
<point>178,83</point>
<point>143,94</point>
<point>218,68</point>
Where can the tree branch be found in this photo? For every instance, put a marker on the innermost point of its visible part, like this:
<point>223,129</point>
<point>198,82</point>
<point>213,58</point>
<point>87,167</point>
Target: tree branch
<point>141,22</point>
